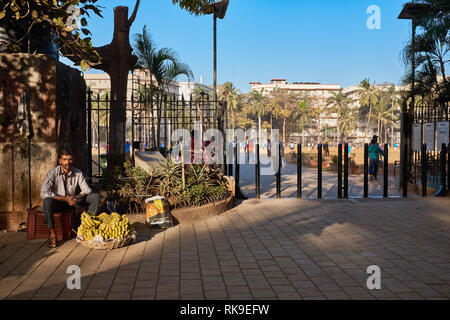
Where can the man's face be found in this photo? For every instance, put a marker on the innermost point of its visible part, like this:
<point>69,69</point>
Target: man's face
<point>66,161</point>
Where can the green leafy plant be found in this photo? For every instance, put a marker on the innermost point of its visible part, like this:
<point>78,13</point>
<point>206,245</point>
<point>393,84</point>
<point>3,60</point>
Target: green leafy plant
<point>133,185</point>
<point>200,194</point>
<point>40,21</point>
<point>168,175</point>
<point>334,159</point>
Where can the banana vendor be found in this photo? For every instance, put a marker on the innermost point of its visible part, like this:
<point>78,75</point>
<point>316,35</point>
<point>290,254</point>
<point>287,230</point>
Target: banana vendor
<point>60,192</point>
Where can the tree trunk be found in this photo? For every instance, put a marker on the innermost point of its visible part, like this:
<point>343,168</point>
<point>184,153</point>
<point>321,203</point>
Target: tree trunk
<point>117,60</point>
<point>232,118</point>
<point>368,122</point>
<point>259,128</point>
<point>284,130</point>
<point>338,130</point>
<point>319,129</point>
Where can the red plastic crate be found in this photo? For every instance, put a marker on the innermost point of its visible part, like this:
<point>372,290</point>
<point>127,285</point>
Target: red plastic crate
<point>64,223</point>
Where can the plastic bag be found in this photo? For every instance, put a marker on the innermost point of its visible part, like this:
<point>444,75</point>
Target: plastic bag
<point>157,212</point>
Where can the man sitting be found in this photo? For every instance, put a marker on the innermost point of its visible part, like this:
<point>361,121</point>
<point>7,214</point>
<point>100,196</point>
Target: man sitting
<point>59,192</point>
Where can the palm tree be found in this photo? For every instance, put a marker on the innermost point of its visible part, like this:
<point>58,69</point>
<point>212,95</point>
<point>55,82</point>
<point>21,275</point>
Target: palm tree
<point>197,93</point>
<point>230,94</point>
<point>162,64</point>
<point>302,114</point>
<point>282,104</point>
<point>395,103</point>
<point>431,49</point>
<point>318,112</point>
<point>367,96</point>
<point>258,103</point>
<point>338,102</point>
<point>347,121</point>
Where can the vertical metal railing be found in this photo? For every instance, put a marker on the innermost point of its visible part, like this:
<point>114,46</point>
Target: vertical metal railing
<point>366,171</point>
<point>299,171</point>
<point>278,173</point>
<point>89,133</point>
<point>257,173</point>
<point>236,168</point>
<point>404,167</point>
<point>339,177</point>
<point>443,177</point>
<point>319,171</point>
<point>424,170</point>
<point>346,171</point>
<point>385,170</point>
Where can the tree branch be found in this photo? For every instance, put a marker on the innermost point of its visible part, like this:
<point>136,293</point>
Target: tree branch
<point>133,15</point>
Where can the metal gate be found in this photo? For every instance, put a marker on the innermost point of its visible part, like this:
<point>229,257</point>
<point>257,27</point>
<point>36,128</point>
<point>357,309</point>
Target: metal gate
<point>151,117</point>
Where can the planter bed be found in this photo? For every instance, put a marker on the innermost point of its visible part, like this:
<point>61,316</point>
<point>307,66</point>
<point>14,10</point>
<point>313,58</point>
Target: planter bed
<point>192,214</point>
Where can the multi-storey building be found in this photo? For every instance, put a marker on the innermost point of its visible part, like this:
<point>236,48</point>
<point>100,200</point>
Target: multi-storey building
<point>100,83</point>
<point>327,122</point>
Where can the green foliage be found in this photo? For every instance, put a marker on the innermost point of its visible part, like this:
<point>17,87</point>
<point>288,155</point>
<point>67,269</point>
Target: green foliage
<point>40,19</point>
<point>352,162</point>
<point>162,64</point>
<point>200,194</point>
<point>168,176</point>
<point>431,53</point>
<point>334,159</point>
<point>134,185</point>
<point>197,7</point>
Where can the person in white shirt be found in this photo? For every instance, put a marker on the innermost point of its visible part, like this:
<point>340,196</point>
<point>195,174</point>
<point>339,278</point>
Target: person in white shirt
<point>65,188</point>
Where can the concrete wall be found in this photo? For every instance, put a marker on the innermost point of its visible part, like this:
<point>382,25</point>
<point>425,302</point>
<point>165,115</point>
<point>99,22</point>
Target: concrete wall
<point>56,95</point>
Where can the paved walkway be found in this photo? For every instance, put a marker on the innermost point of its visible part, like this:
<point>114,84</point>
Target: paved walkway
<point>266,249</point>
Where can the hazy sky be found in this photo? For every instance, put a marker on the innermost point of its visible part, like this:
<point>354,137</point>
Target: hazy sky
<point>325,41</point>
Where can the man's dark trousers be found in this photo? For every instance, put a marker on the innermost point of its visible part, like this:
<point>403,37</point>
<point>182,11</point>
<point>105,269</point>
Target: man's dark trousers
<point>51,206</point>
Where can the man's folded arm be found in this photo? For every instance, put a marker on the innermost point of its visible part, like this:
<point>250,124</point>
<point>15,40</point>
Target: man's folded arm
<point>85,190</point>
<point>46,188</point>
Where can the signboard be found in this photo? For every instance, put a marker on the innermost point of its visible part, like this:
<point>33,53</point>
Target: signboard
<point>442,132</point>
<point>428,135</point>
<point>416,137</point>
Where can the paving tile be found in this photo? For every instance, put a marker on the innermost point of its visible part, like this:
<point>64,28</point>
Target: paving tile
<point>216,294</point>
<point>336,295</point>
<point>261,294</point>
<point>143,292</point>
<point>266,250</point>
<point>240,296</point>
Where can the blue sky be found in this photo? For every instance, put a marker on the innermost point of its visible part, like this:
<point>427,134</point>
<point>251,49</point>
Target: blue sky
<point>323,41</point>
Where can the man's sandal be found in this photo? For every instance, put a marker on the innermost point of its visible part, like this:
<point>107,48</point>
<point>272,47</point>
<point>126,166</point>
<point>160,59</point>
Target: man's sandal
<point>51,243</point>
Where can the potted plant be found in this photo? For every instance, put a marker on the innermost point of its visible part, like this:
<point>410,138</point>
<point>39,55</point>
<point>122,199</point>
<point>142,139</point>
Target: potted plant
<point>354,169</point>
<point>312,161</point>
<point>334,163</point>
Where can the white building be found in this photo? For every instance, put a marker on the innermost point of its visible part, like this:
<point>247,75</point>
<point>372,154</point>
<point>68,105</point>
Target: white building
<point>321,92</point>
<point>100,83</point>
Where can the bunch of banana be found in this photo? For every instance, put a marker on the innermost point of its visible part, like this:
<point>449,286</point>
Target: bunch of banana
<point>89,226</point>
<point>109,226</point>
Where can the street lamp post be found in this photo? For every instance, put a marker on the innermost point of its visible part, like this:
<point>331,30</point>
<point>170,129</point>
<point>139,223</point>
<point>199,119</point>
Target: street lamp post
<point>218,9</point>
<point>411,11</point>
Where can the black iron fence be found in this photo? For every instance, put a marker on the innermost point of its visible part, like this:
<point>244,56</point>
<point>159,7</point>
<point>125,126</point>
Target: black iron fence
<point>151,118</point>
<point>430,127</point>
<point>342,179</point>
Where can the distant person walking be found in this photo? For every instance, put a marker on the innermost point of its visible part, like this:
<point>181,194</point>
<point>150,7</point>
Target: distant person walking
<point>374,155</point>
<point>326,148</point>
